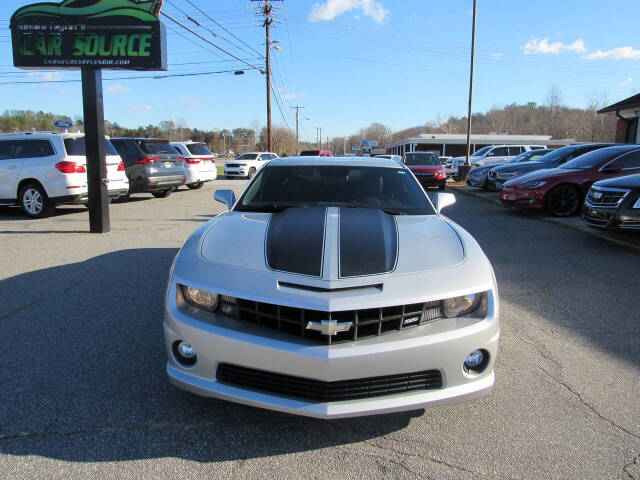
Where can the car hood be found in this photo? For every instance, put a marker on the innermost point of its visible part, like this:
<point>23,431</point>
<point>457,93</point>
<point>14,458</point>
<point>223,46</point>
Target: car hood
<point>481,169</point>
<point>630,181</point>
<point>517,167</point>
<point>545,174</point>
<point>332,243</point>
<point>424,168</point>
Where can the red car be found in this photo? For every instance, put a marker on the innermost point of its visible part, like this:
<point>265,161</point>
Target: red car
<point>562,190</point>
<point>427,168</point>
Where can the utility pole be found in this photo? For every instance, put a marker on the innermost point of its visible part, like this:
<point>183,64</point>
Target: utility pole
<point>462,175</point>
<point>319,138</point>
<point>297,108</point>
<point>267,23</point>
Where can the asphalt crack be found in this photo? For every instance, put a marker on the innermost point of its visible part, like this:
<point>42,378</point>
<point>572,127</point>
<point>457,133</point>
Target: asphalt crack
<point>588,405</point>
<point>541,351</point>
<point>377,458</point>
<point>442,463</point>
<point>626,468</point>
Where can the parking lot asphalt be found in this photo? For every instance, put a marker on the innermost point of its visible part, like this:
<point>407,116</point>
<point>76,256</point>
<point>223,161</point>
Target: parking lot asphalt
<point>84,394</point>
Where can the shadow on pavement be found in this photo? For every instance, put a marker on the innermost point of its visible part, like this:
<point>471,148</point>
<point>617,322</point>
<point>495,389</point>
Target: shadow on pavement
<point>83,375</point>
<point>16,214</point>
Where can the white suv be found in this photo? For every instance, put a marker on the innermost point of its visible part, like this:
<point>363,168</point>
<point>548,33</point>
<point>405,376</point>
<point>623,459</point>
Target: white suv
<point>247,164</point>
<point>199,163</point>
<point>494,154</point>
<point>39,170</point>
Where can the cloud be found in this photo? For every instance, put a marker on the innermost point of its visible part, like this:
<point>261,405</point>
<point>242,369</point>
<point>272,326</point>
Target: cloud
<point>545,47</point>
<point>140,108</point>
<point>190,101</point>
<point>292,96</point>
<point>118,89</point>
<point>497,55</point>
<point>615,54</point>
<point>46,76</point>
<point>627,81</point>
<point>330,9</point>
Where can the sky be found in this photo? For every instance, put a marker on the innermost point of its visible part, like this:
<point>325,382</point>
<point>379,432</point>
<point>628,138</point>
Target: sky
<point>350,63</point>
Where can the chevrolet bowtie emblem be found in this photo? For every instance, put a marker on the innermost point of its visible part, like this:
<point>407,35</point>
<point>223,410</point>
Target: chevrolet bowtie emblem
<point>597,195</point>
<point>329,327</point>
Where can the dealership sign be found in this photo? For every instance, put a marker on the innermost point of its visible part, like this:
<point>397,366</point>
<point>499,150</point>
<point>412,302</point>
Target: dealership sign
<point>105,34</point>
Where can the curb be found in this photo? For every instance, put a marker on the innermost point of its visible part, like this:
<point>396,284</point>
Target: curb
<point>579,228</point>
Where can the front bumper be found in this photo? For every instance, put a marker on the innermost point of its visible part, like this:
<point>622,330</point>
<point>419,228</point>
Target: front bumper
<point>525,198</point>
<point>611,218</point>
<point>236,172</point>
<point>477,180</point>
<point>441,345</point>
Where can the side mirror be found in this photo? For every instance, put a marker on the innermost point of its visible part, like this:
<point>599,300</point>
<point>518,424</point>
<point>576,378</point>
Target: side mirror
<point>443,200</point>
<point>225,196</point>
<point>613,168</point>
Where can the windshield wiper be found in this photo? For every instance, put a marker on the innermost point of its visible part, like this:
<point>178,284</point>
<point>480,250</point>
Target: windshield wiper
<point>268,207</point>
<point>391,211</point>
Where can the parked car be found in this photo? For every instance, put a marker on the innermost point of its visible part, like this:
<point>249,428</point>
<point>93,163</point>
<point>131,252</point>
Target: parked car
<point>278,303</point>
<point>494,154</point>
<point>427,168</point>
<point>316,153</point>
<point>500,174</point>
<point>40,170</point>
<point>562,190</point>
<point>614,203</point>
<point>246,165</point>
<point>152,165</point>
<point>199,163</point>
<point>478,177</point>
<point>395,158</point>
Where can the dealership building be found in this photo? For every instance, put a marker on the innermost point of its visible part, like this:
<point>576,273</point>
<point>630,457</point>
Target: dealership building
<point>628,113</point>
<point>455,145</point>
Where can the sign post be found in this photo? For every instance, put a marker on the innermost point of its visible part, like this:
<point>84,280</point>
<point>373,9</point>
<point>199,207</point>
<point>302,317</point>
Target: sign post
<point>91,36</point>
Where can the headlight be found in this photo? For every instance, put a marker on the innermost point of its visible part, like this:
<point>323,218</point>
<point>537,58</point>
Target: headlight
<point>637,204</point>
<point>505,175</point>
<point>533,184</point>
<point>200,298</point>
<point>464,305</point>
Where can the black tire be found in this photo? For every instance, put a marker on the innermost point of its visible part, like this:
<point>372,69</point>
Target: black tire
<point>563,200</point>
<point>34,201</point>
<point>442,187</point>
<point>252,172</point>
<point>195,186</point>
<point>161,193</point>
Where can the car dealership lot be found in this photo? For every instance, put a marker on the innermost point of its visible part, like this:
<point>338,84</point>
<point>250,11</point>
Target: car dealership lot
<point>84,392</point>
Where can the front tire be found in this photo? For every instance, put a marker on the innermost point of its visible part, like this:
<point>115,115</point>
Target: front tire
<point>252,172</point>
<point>563,200</point>
<point>442,187</point>
<point>195,186</point>
<point>161,193</point>
<point>34,201</point>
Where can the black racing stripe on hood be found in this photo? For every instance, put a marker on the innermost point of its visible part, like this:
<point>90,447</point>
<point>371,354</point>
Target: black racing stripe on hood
<point>368,242</point>
<point>295,240</point>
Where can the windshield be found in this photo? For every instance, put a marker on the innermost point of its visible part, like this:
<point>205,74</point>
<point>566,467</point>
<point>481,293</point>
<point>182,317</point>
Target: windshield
<point>247,156</point>
<point>481,152</point>
<point>158,147</point>
<point>75,146</point>
<point>591,159</point>
<point>557,155</point>
<point>531,156</point>
<point>392,190</point>
<point>198,149</point>
<point>421,159</point>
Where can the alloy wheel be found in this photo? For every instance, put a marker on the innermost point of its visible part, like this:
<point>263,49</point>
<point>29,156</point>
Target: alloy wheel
<point>32,201</point>
<point>563,200</point>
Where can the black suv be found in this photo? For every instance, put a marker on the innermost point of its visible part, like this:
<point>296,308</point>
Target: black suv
<point>151,164</point>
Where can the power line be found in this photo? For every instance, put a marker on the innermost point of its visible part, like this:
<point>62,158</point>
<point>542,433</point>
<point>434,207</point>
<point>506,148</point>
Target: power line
<point>223,28</point>
<point>209,42</point>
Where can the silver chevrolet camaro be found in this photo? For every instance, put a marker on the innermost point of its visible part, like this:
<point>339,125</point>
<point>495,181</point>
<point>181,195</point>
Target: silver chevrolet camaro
<point>332,287</point>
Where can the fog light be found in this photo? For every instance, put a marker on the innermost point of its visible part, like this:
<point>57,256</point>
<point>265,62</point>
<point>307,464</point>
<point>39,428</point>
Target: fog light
<point>184,353</point>
<point>476,361</point>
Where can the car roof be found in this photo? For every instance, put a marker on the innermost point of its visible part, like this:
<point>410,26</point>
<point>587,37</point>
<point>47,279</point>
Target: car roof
<point>340,161</point>
<point>137,139</point>
<point>257,153</point>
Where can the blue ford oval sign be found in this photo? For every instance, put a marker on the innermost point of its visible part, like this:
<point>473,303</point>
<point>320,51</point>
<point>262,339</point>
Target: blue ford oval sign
<point>64,123</point>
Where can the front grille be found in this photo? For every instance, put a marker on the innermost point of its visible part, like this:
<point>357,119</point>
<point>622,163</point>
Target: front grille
<point>630,225</point>
<point>423,174</point>
<point>366,323</point>
<point>491,174</point>
<point>320,391</point>
<point>232,165</point>
<point>601,197</point>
